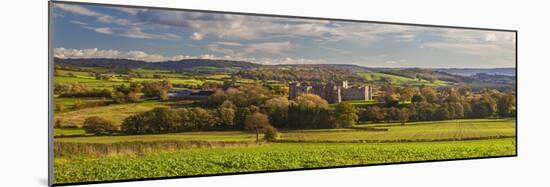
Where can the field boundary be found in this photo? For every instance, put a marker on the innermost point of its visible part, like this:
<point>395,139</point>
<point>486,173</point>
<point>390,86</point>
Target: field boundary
<point>395,141</point>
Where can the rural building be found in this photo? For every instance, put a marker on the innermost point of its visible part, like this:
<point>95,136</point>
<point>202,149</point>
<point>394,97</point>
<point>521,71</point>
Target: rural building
<point>333,93</point>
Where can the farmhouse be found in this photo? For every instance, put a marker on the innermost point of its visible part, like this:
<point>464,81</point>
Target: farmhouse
<point>333,93</point>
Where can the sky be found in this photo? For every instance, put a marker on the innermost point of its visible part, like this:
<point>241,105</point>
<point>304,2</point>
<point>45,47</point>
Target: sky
<point>154,35</point>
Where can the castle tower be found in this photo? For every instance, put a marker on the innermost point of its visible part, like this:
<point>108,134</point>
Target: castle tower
<point>345,84</point>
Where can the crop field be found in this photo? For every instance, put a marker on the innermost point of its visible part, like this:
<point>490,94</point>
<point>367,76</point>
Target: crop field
<point>399,80</point>
<point>275,156</point>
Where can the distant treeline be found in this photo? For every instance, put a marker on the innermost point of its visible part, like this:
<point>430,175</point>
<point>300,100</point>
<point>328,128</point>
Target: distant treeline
<point>299,74</point>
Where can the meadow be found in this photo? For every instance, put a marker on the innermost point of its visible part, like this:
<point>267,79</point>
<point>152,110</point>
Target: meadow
<point>116,112</point>
<point>274,156</point>
<point>417,131</point>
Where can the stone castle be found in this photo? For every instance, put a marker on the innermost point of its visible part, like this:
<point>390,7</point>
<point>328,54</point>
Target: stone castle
<point>333,93</point>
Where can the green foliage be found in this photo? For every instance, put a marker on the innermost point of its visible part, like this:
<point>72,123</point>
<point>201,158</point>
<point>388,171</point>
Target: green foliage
<point>277,156</point>
<point>418,98</point>
<point>156,88</point>
<point>271,134</point>
<point>277,110</point>
<point>99,126</point>
<point>345,115</point>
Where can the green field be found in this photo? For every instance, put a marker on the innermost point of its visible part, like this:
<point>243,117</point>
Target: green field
<point>276,156</point>
<point>89,82</point>
<point>417,131</point>
<point>399,80</point>
<point>115,113</point>
<point>186,136</point>
<point>68,132</point>
<point>70,102</point>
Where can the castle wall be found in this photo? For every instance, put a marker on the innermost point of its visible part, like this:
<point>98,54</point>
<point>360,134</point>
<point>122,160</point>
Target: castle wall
<point>355,93</point>
<point>330,92</point>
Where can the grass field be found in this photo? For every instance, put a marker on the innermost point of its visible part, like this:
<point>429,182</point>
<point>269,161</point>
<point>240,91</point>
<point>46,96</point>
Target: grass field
<point>419,131</point>
<point>187,136</point>
<point>68,132</point>
<point>92,83</point>
<point>115,113</point>
<point>69,102</point>
<point>276,156</point>
<point>399,80</point>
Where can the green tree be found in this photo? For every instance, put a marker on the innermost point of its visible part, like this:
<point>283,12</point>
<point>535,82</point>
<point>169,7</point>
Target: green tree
<point>98,126</point>
<point>271,134</point>
<point>277,110</point>
<point>374,114</point>
<point>418,98</point>
<point>345,115</point>
<point>404,115</point>
<point>442,114</point>
<point>485,106</point>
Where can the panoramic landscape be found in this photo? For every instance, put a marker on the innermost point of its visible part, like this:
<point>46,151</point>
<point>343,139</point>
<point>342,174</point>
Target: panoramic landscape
<point>150,93</point>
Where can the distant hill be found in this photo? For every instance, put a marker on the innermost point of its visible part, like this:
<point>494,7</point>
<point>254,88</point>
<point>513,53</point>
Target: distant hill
<point>185,64</point>
<point>348,67</point>
<point>425,74</point>
<point>473,71</point>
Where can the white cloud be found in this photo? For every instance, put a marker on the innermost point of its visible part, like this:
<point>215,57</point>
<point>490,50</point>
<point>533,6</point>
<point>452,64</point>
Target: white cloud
<point>475,42</point>
<point>75,9</point>
<point>405,37</point>
<point>269,47</point>
<point>131,11</point>
<point>219,49</point>
<point>288,60</point>
<point>196,36</point>
<point>229,43</point>
<point>477,49</point>
<point>237,49</point>
<point>136,32</point>
<point>104,30</point>
<point>144,56</point>
<point>114,54</point>
<point>228,26</point>
<point>79,22</point>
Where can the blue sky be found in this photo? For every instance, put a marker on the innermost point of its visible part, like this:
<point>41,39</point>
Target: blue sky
<point>89,31</point>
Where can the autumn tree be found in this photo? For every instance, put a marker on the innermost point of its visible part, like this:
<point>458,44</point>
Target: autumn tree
<point>257,121</point>
<point>277,109</point>
<point>311,100</point>
<point>506,105</point>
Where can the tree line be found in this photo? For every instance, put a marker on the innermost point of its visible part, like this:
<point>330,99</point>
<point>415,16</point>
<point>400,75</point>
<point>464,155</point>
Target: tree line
<point>261,110</point>
<point>429,104</point>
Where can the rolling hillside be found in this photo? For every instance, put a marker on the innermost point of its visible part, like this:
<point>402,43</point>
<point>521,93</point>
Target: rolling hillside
<point>186,64</point>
